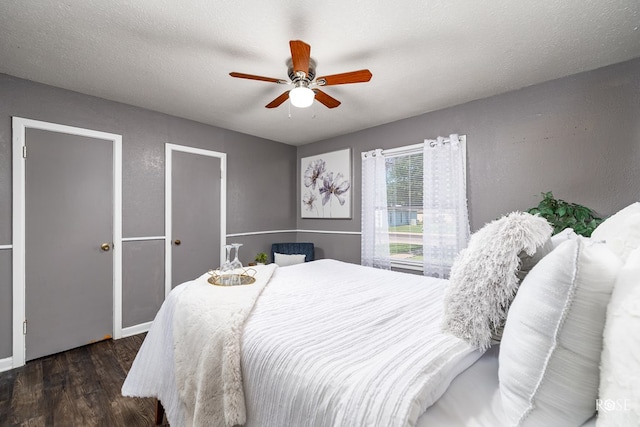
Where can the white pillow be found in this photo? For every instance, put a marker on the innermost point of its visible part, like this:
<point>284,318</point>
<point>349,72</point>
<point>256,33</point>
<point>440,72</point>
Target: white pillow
<point>562,236</point>
<point>621,231</point>
<point>284,259</point>
<point>619,403</point>
<point>552,341</point>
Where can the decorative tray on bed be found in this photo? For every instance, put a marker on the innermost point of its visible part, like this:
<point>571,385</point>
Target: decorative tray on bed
<point>243,276</point>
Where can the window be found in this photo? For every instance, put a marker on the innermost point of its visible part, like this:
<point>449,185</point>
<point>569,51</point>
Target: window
<point>414,206</point>
<point>404,173</point>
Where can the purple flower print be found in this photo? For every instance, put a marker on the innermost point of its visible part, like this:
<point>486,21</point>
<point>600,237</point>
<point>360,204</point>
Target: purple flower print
<point>314,172</point>
<point>309,200</point>
<point>337,187</point>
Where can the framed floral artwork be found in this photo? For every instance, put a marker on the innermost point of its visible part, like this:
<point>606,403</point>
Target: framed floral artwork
<point>325,185</point>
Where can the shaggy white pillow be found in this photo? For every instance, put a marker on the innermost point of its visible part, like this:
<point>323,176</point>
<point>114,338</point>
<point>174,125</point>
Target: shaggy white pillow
<point>621,231</point>
<point>484,279</point>
<point>283,260</point>
<point>619,403</point>
<point>550,351</point>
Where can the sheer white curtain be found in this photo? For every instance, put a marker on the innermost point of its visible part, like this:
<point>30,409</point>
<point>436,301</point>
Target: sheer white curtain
<point>446,218</point>
<point>375,225</point>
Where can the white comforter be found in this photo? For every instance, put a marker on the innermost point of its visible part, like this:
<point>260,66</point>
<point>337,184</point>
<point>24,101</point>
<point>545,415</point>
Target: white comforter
<point>330,344</point>
<point>336,344</point>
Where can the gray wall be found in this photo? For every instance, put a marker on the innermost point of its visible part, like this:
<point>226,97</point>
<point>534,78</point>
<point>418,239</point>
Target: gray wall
<point>144,134</point>
<point>251,245</point>
<point>5,303</point>
<point>578,136</point>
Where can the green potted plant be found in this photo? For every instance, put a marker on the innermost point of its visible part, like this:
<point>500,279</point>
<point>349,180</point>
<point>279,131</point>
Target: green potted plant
<point>561,215</point>
<point>261,258</point>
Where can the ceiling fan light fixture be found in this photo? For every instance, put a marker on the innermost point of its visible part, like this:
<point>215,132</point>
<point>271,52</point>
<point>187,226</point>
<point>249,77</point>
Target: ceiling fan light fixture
<point>301,96</point>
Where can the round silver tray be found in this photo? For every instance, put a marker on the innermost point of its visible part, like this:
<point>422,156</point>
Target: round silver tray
<point>247,277</point>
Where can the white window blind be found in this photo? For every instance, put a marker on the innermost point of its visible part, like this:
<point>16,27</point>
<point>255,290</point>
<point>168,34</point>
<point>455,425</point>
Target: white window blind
<point>404,169</point>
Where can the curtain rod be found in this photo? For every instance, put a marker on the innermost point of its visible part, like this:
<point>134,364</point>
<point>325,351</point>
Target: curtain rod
<point>415,147</point>
<point>405,149</point>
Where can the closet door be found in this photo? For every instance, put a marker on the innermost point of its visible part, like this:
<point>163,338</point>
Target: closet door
<point>69,260</point>
<point>197,212</point>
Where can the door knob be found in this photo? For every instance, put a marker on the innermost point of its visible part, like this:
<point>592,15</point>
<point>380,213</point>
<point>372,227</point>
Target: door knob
<point>105,247</point>
<point>177,242</point>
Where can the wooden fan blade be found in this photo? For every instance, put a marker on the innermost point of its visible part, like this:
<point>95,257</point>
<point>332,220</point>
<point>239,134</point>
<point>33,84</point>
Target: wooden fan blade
<point>325,99</point>
<point>252,77</point>
<point>278,101</point>
<point>359,76</point>
<point>300,54</point>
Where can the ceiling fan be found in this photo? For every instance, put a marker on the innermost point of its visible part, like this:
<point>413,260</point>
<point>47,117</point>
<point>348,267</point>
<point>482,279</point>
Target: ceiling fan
<point>302,72</point>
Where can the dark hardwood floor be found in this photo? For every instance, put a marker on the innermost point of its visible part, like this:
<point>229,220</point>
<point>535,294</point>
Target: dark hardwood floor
<point>80,387</point>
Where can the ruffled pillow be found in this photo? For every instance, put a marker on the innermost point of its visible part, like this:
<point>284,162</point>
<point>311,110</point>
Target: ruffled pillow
<point>619,403</point>
<point>621,231</point>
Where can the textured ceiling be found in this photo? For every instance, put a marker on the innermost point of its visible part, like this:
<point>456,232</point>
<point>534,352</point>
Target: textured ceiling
<point>175,56</point>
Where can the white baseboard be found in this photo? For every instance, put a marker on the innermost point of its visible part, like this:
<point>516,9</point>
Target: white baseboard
<point>6,364</point>
<point>136,329</point>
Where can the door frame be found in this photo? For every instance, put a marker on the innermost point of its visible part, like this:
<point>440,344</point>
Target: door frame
<point>169,149</point>
<point>19,127</point>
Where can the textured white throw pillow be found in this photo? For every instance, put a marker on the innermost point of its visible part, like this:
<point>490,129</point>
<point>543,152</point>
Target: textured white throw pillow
<point>282,260</point>
<point>552,341</point>
<point>621,231</point>
<point>619,403</point>
<point>484,277</point>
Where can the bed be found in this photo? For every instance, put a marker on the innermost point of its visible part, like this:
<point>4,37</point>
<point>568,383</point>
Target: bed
<point>301,349</point>
<point>329,343</point>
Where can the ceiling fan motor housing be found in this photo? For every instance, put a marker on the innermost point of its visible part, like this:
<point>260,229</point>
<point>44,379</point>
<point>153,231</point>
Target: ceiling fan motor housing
<point>295,77</point>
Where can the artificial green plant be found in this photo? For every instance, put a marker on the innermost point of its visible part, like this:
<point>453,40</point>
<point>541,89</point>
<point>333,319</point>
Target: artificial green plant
<point>261,258</point>
<point>561,215</point>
